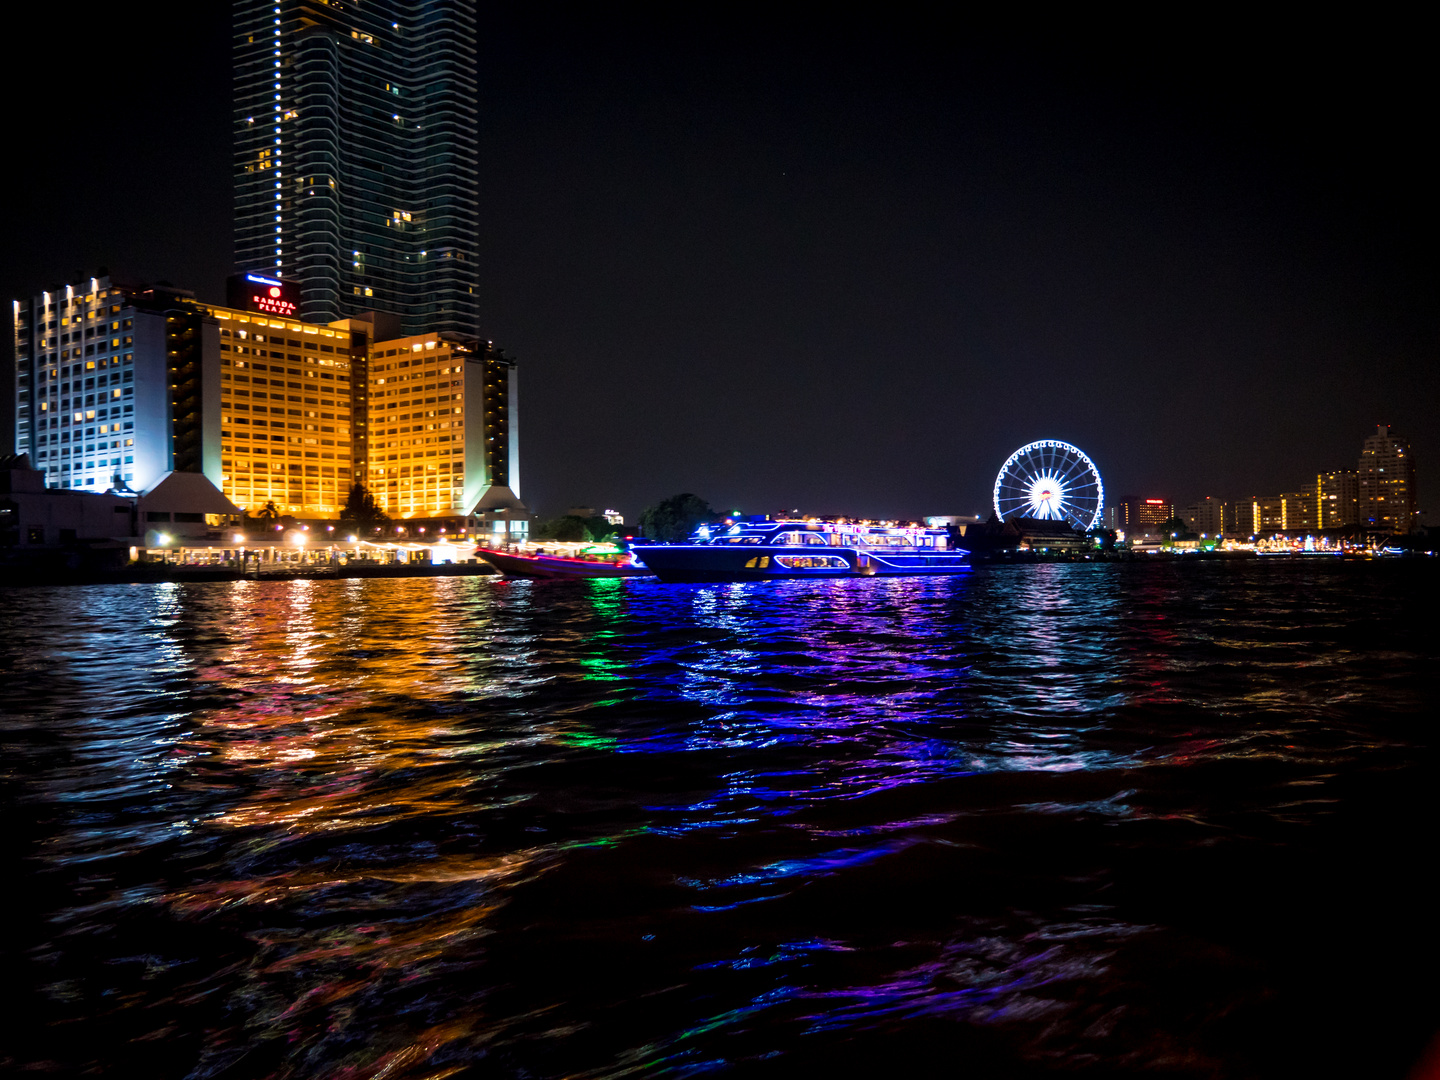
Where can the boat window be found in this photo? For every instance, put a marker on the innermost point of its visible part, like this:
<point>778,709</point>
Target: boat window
<point>816,538</point>
<point>812,562</point>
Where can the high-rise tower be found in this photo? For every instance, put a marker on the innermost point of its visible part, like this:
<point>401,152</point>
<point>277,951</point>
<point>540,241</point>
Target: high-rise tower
<point>356,165</point>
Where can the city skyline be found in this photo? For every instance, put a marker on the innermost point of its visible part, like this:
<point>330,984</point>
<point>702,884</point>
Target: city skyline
<point>719,257</point>
<point>1379,491</point>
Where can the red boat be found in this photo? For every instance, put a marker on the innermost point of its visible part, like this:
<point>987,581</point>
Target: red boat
<point>516,564</point>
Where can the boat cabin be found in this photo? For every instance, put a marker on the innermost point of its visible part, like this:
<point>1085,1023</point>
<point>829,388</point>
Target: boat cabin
<point>823,534</point>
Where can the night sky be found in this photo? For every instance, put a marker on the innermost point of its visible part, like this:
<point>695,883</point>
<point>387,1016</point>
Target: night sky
<point>848,267</point>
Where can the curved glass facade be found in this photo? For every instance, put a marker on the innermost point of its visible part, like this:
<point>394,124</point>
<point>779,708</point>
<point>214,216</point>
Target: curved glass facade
<point>356,162</point>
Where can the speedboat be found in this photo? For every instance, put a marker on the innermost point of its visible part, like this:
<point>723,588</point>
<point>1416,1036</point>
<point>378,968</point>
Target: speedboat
<point>760,549</point>
<point>538,564</point>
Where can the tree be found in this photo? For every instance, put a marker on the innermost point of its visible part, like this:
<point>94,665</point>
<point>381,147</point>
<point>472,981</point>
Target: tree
<point>569,528</point>
<point>360,511</point>
<point>1176,527</point>
<point>1102,538</point>
<point>269,512</point>
<point>675,518</point>
<point>599,528</point>
<point>574,527</point>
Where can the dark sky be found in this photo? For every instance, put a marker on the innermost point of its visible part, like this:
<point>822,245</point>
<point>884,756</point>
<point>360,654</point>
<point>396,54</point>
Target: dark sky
<point>848,267</point>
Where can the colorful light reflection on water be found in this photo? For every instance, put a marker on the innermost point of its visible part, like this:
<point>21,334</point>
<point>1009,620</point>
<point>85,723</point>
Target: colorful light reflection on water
<point>1030,819</point>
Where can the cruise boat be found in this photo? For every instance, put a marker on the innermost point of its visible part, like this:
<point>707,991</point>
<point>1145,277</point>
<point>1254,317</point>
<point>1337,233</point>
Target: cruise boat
<point>754,550</point>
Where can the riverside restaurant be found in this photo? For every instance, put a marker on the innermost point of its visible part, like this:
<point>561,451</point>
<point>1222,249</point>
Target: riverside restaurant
<point>297,551</point>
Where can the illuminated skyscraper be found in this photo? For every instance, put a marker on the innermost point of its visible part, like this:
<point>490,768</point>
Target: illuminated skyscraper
<point>356,157</point>
<point>356,177</point>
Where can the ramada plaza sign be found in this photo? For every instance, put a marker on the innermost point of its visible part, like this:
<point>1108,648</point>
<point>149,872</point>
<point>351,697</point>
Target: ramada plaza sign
<point>270,296</point>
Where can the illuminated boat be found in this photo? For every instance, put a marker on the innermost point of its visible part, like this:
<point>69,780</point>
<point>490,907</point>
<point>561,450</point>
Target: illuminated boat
<point>757,550</point>
<point>536,565</point>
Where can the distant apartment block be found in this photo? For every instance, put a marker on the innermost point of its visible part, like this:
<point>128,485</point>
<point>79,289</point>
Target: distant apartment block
<point>1239,517</point>
<point>1299,511</point>
<point>1267,514</point>
<point>1338,495</point>
<point>1386,481</point>
<point>1206,517</point>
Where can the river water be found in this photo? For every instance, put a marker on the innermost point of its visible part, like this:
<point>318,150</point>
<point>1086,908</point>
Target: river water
<point>1133,819</point>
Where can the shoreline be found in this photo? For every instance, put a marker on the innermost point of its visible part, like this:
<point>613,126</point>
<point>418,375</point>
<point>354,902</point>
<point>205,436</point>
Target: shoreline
<point>158,573</point>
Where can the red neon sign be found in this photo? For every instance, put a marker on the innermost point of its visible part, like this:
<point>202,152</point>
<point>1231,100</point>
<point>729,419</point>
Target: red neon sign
<point>272,303</point>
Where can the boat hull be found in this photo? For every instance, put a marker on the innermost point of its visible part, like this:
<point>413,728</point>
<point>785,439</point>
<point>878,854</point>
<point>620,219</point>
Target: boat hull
<point>556,566</point>
<point>706,562</point>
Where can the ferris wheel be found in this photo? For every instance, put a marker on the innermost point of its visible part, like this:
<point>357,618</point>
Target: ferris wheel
<point>1051,480</point>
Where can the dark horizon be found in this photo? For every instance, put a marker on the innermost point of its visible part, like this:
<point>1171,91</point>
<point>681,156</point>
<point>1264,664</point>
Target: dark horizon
<point>851,271</point>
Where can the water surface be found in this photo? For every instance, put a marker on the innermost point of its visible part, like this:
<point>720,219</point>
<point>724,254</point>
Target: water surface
<point>1136,819</point>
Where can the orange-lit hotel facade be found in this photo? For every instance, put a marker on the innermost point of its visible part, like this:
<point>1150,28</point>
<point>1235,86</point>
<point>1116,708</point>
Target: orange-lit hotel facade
<point>442,426</point>
<point>288,430</point>
<point>271,409</point>
<point>426,424</point>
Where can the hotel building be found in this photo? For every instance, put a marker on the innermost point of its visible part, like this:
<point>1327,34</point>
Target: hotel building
<point>289,397</point>
<point>1136,515</point>
<point>442,426</point>
<point>112,388</point>
<point>118,386</point>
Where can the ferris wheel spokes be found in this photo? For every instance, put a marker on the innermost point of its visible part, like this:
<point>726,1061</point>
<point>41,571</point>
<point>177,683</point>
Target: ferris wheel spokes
<point>1050,480</point>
